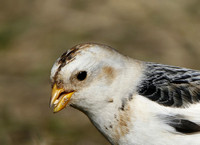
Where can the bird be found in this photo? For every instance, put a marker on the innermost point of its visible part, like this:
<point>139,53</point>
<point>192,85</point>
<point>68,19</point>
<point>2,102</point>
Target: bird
<point>130,102</point>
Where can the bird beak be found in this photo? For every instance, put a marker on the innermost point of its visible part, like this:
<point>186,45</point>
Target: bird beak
<point>59,98</point>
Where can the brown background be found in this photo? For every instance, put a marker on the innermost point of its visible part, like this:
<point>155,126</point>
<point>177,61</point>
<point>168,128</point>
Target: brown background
<point>34,33</point>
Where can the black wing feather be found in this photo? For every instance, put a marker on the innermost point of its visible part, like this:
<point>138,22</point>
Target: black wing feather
<point>170,86</point>
<point>181,124</point>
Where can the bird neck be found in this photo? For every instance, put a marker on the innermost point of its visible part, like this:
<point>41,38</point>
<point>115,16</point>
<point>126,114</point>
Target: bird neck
<point>112,117</point>
<point>112,121</point>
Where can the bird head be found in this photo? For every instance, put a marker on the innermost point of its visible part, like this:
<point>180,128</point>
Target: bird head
<point>86,75</point>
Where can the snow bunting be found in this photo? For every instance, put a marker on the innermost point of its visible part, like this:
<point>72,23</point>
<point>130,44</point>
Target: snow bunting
<point>129,101</point>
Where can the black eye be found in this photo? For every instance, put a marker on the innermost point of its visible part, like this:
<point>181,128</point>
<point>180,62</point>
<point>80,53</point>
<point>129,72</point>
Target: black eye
<point>82,75</point>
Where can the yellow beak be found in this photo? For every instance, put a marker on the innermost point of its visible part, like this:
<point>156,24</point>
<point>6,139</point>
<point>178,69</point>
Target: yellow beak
<point>59,98</point>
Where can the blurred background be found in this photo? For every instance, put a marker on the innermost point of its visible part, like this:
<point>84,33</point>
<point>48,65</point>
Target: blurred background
<point>34,33</point>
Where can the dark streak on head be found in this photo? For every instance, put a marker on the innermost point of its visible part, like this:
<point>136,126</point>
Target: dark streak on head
<point>69,56</point>
<point>62,58</point>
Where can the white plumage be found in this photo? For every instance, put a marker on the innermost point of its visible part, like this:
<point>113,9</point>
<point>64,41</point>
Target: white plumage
<point>129,101</point>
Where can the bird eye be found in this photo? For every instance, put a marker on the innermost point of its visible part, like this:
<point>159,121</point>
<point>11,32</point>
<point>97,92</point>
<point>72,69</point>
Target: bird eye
<point>82,75</point>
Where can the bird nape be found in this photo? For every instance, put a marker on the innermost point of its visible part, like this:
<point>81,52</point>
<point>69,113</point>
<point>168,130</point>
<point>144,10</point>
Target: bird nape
<point>130,102</point>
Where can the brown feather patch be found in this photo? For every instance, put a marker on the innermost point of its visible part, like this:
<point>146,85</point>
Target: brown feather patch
<point>123,123</point>
<point>109,72</point>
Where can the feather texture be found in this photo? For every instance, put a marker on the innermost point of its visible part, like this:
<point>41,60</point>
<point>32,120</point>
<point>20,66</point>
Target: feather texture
<point>170,86</point>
